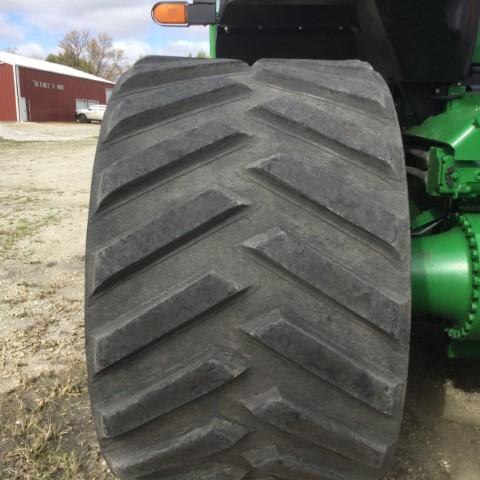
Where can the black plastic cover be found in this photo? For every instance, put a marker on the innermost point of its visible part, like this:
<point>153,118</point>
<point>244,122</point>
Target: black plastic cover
<point>406,40</point>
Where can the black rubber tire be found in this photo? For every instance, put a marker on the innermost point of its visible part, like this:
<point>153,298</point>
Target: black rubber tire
<point>82,118</point>
<point>248,286</point>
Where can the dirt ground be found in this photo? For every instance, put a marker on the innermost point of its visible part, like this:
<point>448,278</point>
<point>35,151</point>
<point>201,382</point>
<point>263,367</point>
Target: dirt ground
<point>47,432</point>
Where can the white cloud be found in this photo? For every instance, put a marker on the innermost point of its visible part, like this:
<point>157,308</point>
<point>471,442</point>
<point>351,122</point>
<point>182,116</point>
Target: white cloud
<point>183,48</point>
<point>134,49</point>
<point>117,17</point>
<point>128,22</point>
<point>195,31</point>
<point>9,32</point>
<point>31,49</point>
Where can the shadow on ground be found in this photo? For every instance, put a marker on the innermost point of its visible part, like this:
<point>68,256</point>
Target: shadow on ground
<point>440,437</point>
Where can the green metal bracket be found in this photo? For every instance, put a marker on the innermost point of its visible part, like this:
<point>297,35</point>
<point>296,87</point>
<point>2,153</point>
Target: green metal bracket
<point>458,128</point>
<point>448,177</point>
<point>424,218</point>
<point>454,157</point>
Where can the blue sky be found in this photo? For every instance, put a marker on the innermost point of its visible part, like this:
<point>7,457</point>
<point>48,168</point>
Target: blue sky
<point>34,27</point>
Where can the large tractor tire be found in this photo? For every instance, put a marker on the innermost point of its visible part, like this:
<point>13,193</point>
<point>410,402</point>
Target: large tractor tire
<point>248,287</point>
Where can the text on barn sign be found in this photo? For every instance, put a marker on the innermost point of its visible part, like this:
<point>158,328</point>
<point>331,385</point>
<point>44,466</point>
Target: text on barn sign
<point>55,86</point>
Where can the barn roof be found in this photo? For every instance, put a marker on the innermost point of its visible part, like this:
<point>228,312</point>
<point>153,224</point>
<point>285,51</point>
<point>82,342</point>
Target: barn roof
<point>36,64</point>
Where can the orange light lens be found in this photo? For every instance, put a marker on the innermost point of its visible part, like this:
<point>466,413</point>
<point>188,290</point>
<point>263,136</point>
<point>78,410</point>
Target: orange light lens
<point>174,13</point>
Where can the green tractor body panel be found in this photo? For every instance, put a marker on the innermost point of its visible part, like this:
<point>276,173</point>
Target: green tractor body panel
<point>458,127</point>
<point>212,31</point>
<point>453,160</point>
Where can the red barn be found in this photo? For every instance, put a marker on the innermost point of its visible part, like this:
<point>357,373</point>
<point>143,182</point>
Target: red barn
<point>38,91</point>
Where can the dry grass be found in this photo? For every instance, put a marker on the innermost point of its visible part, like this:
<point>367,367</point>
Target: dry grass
<point>47,431</point>
<point>11,144</point>
<point>23,228</point>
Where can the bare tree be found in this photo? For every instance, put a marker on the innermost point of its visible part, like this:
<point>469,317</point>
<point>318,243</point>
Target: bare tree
<point>95,55</point>
<point>116,66</point>
<point>75,43</point>
<point>106,60</point>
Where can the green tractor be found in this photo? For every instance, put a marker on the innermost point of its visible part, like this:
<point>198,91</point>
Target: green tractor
<point>262,226</point>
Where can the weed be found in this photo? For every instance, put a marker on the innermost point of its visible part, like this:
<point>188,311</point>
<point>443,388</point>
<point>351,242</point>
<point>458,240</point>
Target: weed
<point>47,433</point>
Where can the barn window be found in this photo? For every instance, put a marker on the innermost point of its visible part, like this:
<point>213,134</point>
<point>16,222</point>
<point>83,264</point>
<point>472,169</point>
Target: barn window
<point>81,104</point>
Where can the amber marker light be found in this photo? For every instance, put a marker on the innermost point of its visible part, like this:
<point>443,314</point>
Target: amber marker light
<point>171,13</point>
